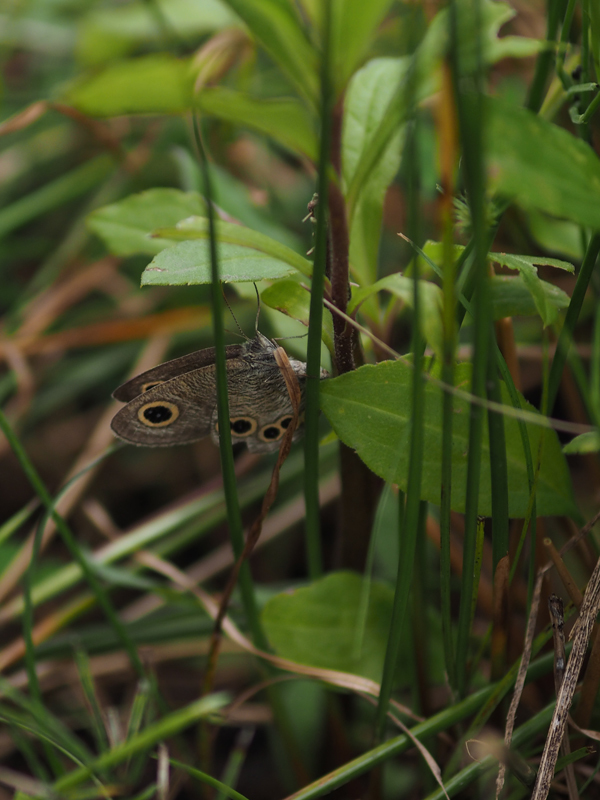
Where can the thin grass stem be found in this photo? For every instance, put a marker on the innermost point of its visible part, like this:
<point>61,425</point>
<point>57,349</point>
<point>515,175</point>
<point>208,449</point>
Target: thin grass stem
<point>313,365</point>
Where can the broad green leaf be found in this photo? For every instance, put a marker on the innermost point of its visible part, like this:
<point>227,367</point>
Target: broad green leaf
<point>126,226</point>
<point>526,266</point>
<point>110,33</point>
<point>365,105</point>
<point>584,443</point>
<point>290,298</point>
<point>195,228</point>
<point>370,410</point>
<point>512,298</point>
<point>352,31</point>
<point>277,27</point>
<point>156,84</point>
<point>318,625</point>
<point>540,165</point>
<point>403,287</point>
<point>284,119</point>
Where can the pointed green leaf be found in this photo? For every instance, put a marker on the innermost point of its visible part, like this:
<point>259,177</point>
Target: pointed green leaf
<point>366,103</point>
<point>353,27</point>
<point>277,27</point>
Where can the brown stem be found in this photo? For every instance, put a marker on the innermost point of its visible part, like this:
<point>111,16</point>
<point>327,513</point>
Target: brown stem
<point>360,487</point>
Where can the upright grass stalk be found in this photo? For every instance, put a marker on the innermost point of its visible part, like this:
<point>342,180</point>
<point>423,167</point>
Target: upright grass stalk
<point>572,315</point>
<point>234,517</point>
<point>229,480</point>
<point>470,114</point>
<point>409,515</point>
<point>545,59</point>
<point>498,469</point>
<point>313,365</point>
<point>448,146</point>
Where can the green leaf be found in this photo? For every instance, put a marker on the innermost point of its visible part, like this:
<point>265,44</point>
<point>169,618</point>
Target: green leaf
<point>493,47</point>
<point>584,443</point>
<point>188,263</point>
<point>369,409</point>
<point>556,235</point>
<point>277,27</point>
<point>403,287</point>
<point>527,263</point>
<point>318,625</point>
<point>526,266</point>
<point>109,33</point>
<point>366,103</point>
<point>512,298</point>
<point>283,119</point>
<point>157,84</point>
<point>290,298</point>
<point>236,241</point>
<point>540,165</point>
<point>547,299</point>
<point>353,26</point>
<point>125,227</point>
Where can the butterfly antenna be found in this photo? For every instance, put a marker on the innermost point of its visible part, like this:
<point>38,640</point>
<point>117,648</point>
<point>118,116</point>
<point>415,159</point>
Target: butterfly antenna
<point>258,309</point>
<point>239,327</point>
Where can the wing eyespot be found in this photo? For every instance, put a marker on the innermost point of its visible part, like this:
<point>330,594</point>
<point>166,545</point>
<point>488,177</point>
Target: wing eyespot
<point>158,414</point>
<point>271,433</point>
<point>241,427</point>
<point>150,385</point>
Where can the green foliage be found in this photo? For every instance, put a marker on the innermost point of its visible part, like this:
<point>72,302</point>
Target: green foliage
<point>316,625</point>
<point>541,166</point>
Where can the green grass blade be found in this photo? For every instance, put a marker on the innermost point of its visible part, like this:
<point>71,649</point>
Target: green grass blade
<point>313,366</point>
<point>71,544</point>
<point>234,517</point>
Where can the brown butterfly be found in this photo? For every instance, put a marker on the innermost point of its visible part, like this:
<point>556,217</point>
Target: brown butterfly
<point>176,402</point>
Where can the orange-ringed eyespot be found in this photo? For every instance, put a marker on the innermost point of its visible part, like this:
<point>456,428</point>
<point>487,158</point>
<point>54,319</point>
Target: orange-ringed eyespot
<point>240,426</point>
<point>158,414</point>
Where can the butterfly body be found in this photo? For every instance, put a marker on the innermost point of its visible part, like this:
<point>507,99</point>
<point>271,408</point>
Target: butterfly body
<point>176,402</point>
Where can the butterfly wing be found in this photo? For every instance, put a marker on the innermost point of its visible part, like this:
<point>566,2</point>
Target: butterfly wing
<point>175,411</point>
<point>172,369</point>
<point>260,408</point>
